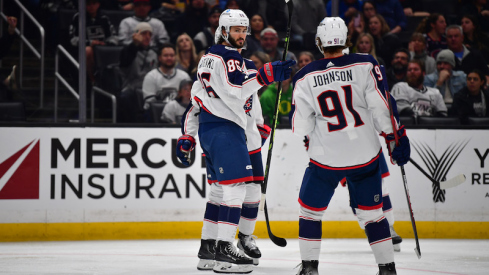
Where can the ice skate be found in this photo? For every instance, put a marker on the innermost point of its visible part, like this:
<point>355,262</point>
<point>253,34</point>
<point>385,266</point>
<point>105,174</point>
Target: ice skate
<point>206,255</point>
<point>309,268</point>
<point>387,269</point>
<point>396,239</point>
<point>247,245</point>
<point>229,260</point>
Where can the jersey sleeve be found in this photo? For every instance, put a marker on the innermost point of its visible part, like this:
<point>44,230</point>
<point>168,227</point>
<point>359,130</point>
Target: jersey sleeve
<point>303,116</point>
<point>376,98</point>
<point>190,118</point>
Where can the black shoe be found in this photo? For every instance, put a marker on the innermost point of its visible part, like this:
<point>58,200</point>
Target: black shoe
<point>206,255</point>
<point>227,252</point>
<point>246,243</point>
<point>309,268</point>
<point>387,269</point>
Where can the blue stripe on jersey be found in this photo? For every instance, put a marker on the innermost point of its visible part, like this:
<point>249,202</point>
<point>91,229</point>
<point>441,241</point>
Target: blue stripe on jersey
<point>233,63</point>
<point>310,229</point>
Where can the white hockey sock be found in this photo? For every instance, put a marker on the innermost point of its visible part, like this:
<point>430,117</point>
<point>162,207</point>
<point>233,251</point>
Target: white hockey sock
<point>249,212</point>
<point>230,211</point>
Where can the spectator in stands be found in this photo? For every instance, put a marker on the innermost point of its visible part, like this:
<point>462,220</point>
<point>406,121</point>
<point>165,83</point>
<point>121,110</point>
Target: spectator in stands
<point>186,53</point>
<point>137,59</point>
<point>368,10</point>
<point>465,59</point>
<point>274,12</point>
<point>398,69</point>
<point>99,31</point>
<point>393,14</point>
<point>194,19</point>
<point>257,24</point>
<point>413,8</point>
<point>269,43</point>
<point>474,38</point>
<point>385,43</point>
<point>269,96</point>
<point>446,79</point>
<point>347,9</point>
<point>479,8</point>
<point>305,58</point>
<point>433,28</point>
<point>260,59</point>
<point>232,4</point>
<point>205,38</point>
<point>415,99</point>
<point>473,100</point>
<point>417,50</point>
<point>314,11</point>
<point>126,5</point>
<point>10,84</point>
<point>176,107</point>
<point>365,44</point>
<point>161,84</point>
<point>141,10</point>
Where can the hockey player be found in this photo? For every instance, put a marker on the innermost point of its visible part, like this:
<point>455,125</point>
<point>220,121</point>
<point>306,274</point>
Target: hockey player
<point>341,104</point>
<point>222,122</point>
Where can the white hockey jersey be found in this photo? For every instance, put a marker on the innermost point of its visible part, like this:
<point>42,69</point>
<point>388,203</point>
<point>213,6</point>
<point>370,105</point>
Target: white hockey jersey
<point>334,103</point>
<point>425,102</point>
<point>227,84</point>
<point>251,108</point>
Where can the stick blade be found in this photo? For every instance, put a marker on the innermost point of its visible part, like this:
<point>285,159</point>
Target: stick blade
<point>418,252</point>
<point>278,241</point>
<point>452,182</point>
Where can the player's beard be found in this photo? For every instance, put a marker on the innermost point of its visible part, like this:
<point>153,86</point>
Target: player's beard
<point>415,82</point>
<point>233,42</point>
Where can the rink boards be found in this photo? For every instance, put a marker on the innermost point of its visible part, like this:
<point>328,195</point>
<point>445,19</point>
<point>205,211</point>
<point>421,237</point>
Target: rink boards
<point>125,183</point>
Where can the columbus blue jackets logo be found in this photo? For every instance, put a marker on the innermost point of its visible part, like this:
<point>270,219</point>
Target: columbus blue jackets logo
<point>248,106</point>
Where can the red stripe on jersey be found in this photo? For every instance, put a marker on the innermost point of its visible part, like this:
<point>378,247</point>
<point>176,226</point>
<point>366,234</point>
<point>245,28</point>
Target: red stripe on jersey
<point>227,78</point>
<point>362,207</point>
<point>379,241</point>
<point>379,92</point>
<point>258,178</point>
<point>310,207</point>
<point>347,167</point>
<point>254,151</point>
<point>386,174</point>
<point>226,182</point>
<point>343,182</point>
<point>211,181</point>
<point>201,104</point>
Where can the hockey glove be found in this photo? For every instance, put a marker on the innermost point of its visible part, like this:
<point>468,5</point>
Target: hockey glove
<point>185,145</point>
<point>306,142</point>
<point>399,154</point>
<point>275,71</point>
<point>264,132</point>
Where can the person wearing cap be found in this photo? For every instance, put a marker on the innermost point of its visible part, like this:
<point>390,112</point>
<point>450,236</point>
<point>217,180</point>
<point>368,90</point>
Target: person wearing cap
<point>162,83</point>
<point>269,43</point>
<point>446,79</point>
<point>176,107</point>
<point>340,107</point>
<point>141,11</point>
<point>136,60</point>
<point>99,32</point>
<point>205,38</point>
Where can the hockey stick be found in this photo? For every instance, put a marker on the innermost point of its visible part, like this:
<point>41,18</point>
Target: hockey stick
<point>263,204</point>
<point>417,249</point>
<point>455,181</point>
